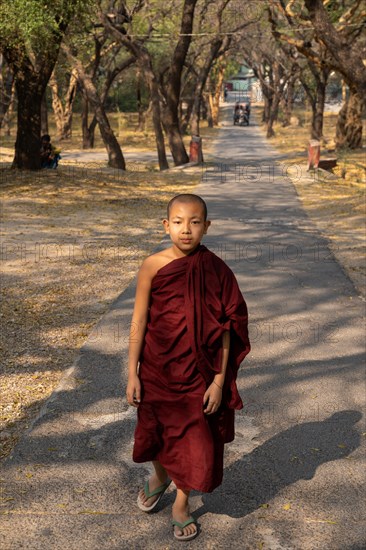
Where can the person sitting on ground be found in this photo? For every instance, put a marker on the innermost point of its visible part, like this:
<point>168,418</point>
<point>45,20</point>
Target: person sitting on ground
<point>188,337</point>
<point>49,154</point>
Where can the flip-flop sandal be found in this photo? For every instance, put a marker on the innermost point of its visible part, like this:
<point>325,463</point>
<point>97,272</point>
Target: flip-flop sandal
<point>182,526</point>
<point>158,491</point>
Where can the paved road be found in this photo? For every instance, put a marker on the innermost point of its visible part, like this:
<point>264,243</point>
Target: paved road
<point>293,477</point>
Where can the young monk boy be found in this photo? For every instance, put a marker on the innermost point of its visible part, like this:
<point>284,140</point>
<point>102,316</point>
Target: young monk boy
<point>189,338</point>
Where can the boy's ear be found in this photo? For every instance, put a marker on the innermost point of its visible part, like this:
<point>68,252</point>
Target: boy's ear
<point>166,225</point>
<point>207,225</point>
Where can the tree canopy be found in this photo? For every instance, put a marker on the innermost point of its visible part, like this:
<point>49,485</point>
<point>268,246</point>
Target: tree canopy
<point>180,50</point>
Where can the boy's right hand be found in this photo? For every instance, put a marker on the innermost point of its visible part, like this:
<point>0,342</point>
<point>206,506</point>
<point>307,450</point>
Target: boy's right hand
<point>133,391</point>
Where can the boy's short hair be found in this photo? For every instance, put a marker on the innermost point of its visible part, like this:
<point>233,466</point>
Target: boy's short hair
<point>187,198</point>
<point>46,137</point>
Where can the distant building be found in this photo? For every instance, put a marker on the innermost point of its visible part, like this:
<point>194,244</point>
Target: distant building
<point>243,81</point>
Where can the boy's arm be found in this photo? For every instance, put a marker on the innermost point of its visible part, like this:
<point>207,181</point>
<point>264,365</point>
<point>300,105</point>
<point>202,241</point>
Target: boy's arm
<point>137,332</point>
<point>219,379</point>
<point>213,395</point>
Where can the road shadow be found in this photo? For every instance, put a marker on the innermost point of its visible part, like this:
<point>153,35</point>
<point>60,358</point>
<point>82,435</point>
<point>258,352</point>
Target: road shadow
<point>284,459</point>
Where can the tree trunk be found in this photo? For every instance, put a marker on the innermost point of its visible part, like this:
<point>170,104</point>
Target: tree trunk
<point>9,114</point>
<point>27,146</point>
<point>208,108</point>
<point>88,140</point>
<point>140,108</point>
<point>6,88</point>
<point>170,116</point>
<point>63,114</point>
<point>144,60</point>
<point>56,105</point>
<point>267,107</point>
<point>184,122</point>
<point>115,155</point>
<point>30,85</point>
<point>44,115</point>
<point>171,127</point>
<point>200,84</point>
<point>69,104</point>
<point>316,99</point>
<point>215,107</point>
<point>195,116</point>
<point>318,111</point>
<point>159,136</point>
<point>273,115</point>
<point>32,73</point>
<point>89,131</point>
<point>344,91</point>
<point>145,63</point>
<point>349,123</point>
<point>289,102</point>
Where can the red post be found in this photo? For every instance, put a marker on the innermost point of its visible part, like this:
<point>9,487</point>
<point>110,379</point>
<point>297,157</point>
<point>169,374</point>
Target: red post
<point>313,153</point>
<point>195,149</point>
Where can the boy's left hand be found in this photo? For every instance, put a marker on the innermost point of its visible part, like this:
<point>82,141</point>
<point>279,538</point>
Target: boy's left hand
<point>212,399</point>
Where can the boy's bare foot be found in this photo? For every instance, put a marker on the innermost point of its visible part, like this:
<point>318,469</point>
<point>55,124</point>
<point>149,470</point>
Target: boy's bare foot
<point>153,483</point>
<point>181,515</point>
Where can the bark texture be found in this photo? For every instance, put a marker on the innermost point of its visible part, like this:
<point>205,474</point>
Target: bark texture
<point>63,111</point>
<point>349,123</point>
<point>6,87</point>
<point>171,91</point>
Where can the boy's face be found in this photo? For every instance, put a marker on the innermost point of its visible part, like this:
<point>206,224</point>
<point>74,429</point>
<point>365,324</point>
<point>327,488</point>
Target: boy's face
<point>186,225</point>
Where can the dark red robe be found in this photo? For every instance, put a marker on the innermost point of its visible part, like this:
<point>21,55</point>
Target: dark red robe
<point>194,300</point>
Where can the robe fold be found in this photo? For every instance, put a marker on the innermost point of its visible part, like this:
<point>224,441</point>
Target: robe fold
<point>194,300</point>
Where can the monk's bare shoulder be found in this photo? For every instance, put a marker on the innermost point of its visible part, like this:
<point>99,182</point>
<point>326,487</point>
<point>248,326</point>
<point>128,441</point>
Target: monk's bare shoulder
<point>153,263</point>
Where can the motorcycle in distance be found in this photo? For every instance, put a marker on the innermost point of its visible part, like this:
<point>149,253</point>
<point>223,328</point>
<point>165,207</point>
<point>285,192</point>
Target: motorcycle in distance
<point>241,116</point>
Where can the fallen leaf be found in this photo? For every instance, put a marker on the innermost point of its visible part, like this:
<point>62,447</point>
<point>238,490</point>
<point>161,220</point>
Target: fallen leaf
<point>342,446</point>
<point>287,506</point>
<point>321,521</point>
<point>91,512</point>
<point>264,505</point>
